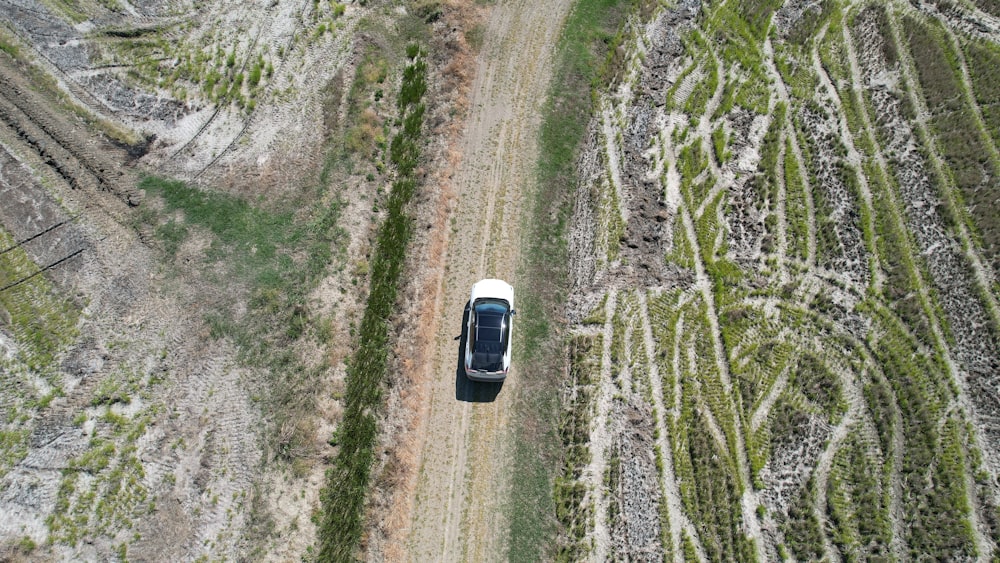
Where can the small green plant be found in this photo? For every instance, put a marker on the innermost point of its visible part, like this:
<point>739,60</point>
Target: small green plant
<point>9,48</point>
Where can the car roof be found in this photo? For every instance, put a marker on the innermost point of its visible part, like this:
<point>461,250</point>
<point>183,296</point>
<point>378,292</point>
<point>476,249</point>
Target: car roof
<point>493,288</point>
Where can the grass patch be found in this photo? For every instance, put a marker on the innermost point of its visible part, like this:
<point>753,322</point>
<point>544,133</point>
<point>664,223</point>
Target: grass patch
<point>983,60</point>
<point>111,494</point>
<point>8,44</point>
<point>803,534</point>
<point>342,520</point>
<point>263,257</point>
<point>574,432</point>
<point>709,485</point>
<point>13,448</point>
<point>957,133</point>
<point>259,266</point>
<point>42,322</point>
<point>582,63</point>
<point>858,499</point>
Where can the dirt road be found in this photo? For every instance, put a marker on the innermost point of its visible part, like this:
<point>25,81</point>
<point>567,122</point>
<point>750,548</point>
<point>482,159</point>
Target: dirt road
<point>458,508</point>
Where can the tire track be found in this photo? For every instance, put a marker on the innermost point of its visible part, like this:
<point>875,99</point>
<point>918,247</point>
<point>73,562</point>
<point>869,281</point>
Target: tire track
<point>975,406</point>
<point>600,439</point>
<point>219,107</point>
<point>853,157</point>
<point>86,163</point>
<point>926,239</point>
<point>703,285</point>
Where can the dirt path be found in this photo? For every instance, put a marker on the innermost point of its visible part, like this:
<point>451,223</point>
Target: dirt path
<point>457,508</point>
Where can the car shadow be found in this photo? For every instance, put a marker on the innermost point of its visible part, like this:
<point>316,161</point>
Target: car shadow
<point>466,389</point>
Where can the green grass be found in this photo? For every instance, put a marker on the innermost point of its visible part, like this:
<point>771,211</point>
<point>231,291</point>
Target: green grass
<point>706,471</point>
<point>900,368</point>
<point>13,448</point>
<point>574,431</point>
<point>9,47</point>
<point>267,258</point>
<point>42,321</point>
<point>935,512</point>
<point>703,91</point>
<point>828,243</point>
<point>581,62</point>
<point>220,72</point>
<point>609,211</point>
<point>765,182</point>
<point>738,30</point>
<point>796,205</point>
<point>803,534</point>
<point>265,261</point>
<point>690,164</point>
<point>342,520</point>
<point>983,60</point>
<point>710,487</point>
<point>894,247</point>
<point>111,496</point>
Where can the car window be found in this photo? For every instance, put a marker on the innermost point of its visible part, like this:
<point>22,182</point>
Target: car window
<point>487,334</point>
<point>472,332</point>
<point>489,326</point>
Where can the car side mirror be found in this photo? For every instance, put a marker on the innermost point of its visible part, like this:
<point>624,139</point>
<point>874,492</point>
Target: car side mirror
<point>459,337</point>
<point>513,312</point>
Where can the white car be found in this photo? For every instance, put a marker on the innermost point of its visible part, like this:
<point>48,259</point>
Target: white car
<point>487,346</point>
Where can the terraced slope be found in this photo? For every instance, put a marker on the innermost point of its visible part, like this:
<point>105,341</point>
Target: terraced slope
<point>786,322</point>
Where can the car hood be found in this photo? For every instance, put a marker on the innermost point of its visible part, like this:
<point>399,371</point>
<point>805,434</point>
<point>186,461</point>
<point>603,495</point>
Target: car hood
<point>493,288</point>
